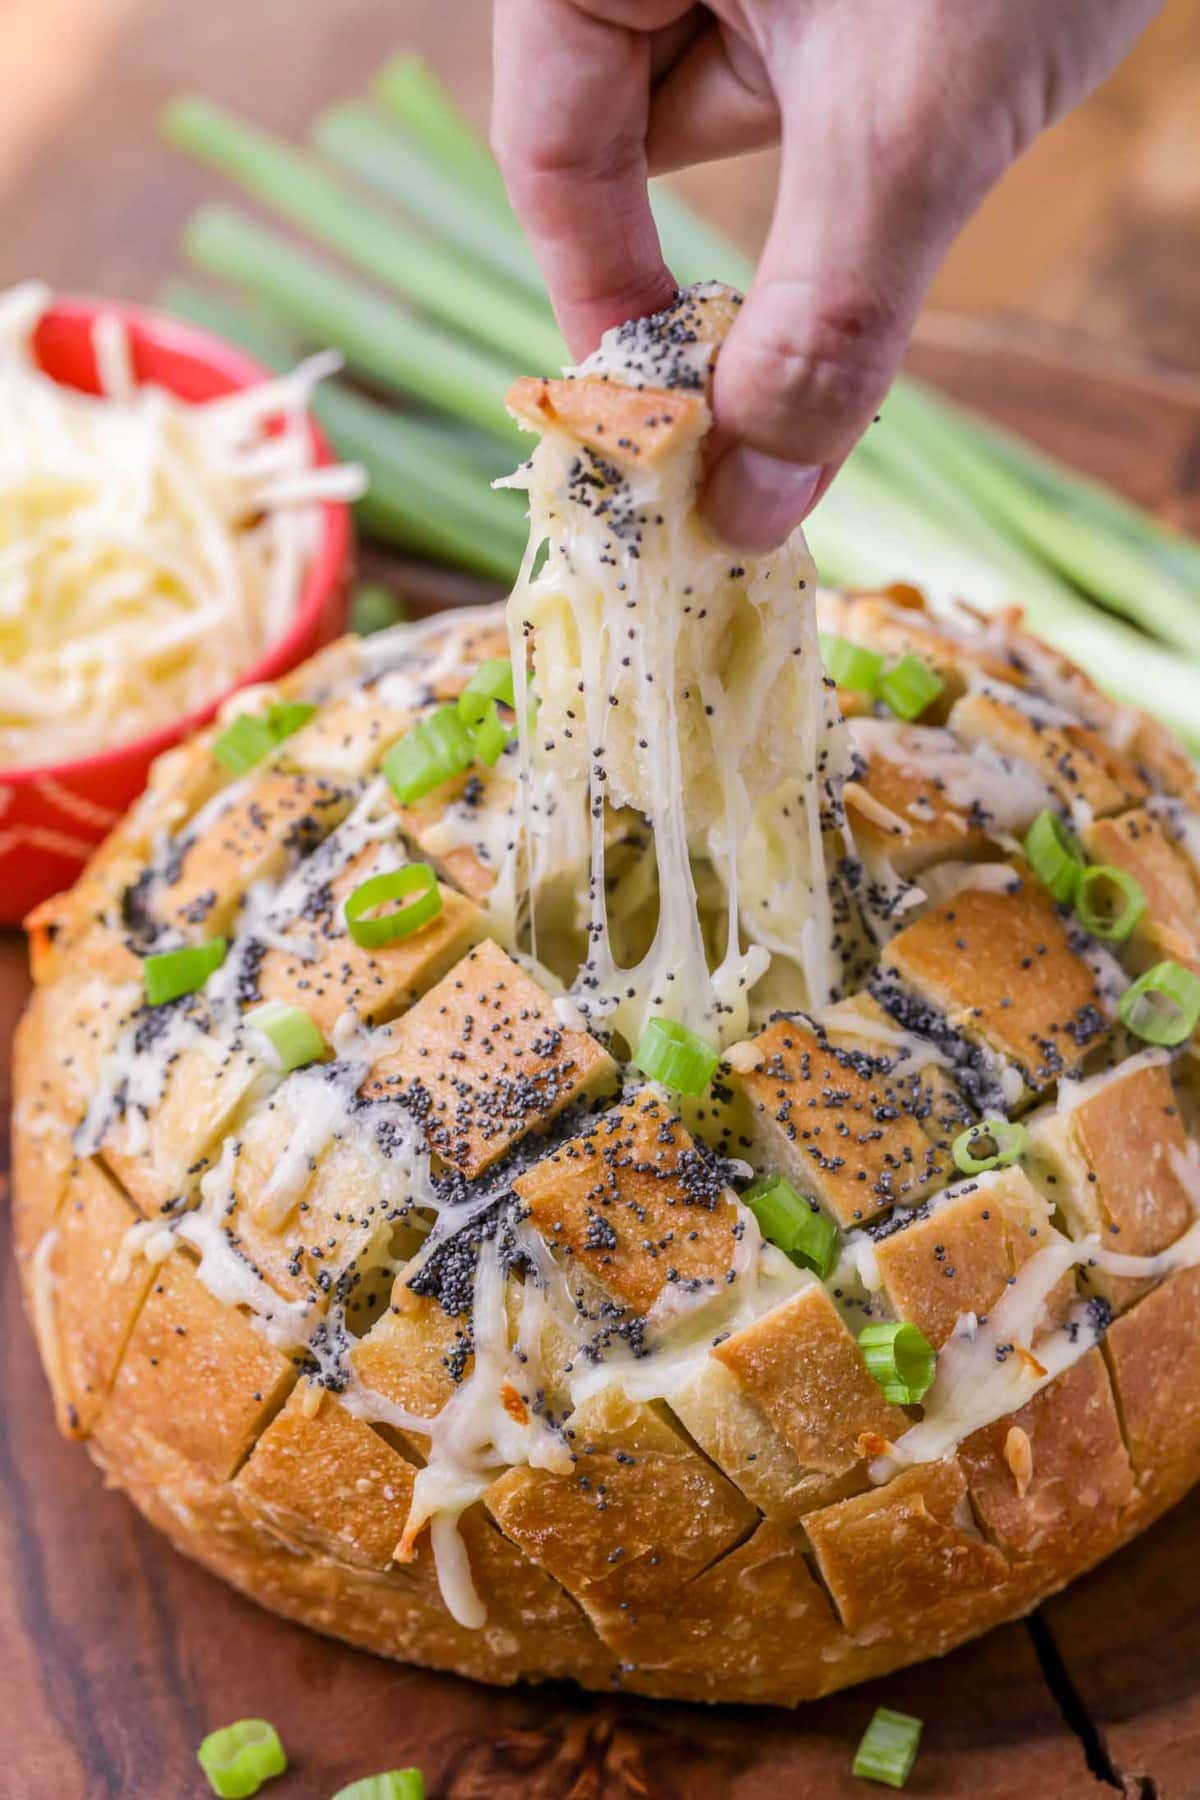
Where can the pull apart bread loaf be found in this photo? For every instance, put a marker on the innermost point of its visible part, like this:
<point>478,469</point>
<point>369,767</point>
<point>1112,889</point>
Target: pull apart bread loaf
<point>588,1277</point>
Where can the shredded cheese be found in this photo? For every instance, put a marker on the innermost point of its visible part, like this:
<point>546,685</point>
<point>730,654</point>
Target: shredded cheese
<point>150,549</point>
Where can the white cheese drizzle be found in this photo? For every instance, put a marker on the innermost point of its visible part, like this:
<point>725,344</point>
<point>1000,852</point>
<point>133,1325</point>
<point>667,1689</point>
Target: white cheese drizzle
<point>683,683</point>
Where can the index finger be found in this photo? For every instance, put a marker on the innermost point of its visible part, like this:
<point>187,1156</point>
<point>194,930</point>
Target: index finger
<point>571,100</point>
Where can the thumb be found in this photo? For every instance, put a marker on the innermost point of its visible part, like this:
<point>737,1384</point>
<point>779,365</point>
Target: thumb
<point>853,245</point>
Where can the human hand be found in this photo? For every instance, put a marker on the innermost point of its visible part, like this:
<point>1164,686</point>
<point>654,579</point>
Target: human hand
<point>895,118</point>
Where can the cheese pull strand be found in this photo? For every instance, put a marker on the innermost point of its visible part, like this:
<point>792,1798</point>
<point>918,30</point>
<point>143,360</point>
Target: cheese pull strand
<point>678,680</point>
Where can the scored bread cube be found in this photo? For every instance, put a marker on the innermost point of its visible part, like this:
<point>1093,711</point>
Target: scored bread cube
<point>836,1120</point>
<point>918,797</point>
<point>466,827</point>
<point>415,1355</point>
<point>738,1436</point>
<point>906,1561</point>
<point>638,1203</point>
<point>930,1095</point>
<point>639,426</point>
<point>269,819</point>
<point>1143,845</point>
<point>1162,760</point>
<point>1145,1350</point>
<point>481,1060</point>
<point>196,1374</point>
<point>96,1284</point>
<point>1051,1482</point>
<point>759,1607</point>
<point>315,1203</point>
<point>799,1364</point>
<point>348,738</point>
<point>1116,1161</point>
<point>639,1512</point>
<point>1006,971</point>
<point>314,963</point>
<point>960,1252</point>
<point>1073,760</point>
<point>207,1084</point>
<point>327,1482</point>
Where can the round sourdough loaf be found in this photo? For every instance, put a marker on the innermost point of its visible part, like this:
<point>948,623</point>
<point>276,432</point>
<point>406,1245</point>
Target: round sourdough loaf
<point>591,1425</point>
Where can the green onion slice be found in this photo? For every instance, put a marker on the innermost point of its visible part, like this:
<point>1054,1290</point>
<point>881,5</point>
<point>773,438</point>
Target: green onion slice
<point>238,1758</point>
<point>888,1748</point>
<point>1055,855</point>
<point>433,751</point>
<point>491,686</point>
<point>397,1784</point>
<point>1108,901</point>
<point>489,733</point>
<point>292,1032</point>
<point>1163,1005</point>
<point>794,1224</point>
<point>251,736</point>
<point>909,686</point>
<point>852,666</point>
<point>675,1056</point>
<point>1008,1143</point>
<point>176,972</point>
<point>901,1359</point>
<point>415,883</point>
<point>493,680</point>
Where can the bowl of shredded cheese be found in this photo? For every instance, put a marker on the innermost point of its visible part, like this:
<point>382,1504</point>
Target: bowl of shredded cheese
<point>172,527</point>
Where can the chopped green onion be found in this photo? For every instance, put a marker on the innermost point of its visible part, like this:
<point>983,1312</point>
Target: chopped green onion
<point>238,1758</point>
<point>852,666</point>
<point>900,1358</point>
<point>888,1748</point>
<point>244,741</point>
<point>397,1784</point>
<point>1008,1143</point>
<point>292,1033</point>
<point>175,972</point>
<point>415,882</point>
<point>251,736</point>
<point>1108,901</point>
<point>909,686</point>
<point>374,607</point>
<point>1163,1005</point>
<point>489,733</point>
<point>493,679</point>
<point>675,1056</point>
<point>794,1224</point>
<point>433,751</point>
<point>1055,855</point>
<point>287,716</point>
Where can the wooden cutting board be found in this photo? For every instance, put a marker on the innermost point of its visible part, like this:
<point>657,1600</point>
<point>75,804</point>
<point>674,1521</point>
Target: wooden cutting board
<point>116,1655</point>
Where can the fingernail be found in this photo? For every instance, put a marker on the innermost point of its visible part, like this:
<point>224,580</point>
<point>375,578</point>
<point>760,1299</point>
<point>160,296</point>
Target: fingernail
<point>753,501</point>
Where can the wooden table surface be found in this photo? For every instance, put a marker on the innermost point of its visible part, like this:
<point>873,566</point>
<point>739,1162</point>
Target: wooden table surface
<point>117,1655</point>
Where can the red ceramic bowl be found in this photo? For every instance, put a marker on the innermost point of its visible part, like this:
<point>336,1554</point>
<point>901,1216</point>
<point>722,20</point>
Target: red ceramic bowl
<point>52,818</point>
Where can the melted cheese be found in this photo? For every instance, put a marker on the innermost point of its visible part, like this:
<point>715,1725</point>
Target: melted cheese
<point>989,1368</point>
<point>150,549</point>
<point>685,683</point>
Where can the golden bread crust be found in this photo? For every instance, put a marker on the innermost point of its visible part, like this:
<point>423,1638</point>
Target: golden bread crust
<point>737,1539</point>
